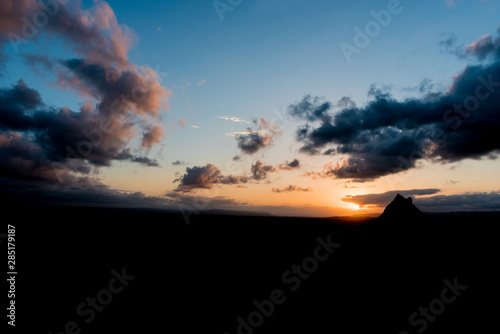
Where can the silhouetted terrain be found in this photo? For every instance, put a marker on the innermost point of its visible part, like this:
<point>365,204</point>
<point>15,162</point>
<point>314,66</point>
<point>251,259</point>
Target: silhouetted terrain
<point>200,277</point>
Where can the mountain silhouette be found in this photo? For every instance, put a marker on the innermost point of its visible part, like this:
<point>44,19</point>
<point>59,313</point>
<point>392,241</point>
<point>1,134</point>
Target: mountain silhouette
<point>401,209</point>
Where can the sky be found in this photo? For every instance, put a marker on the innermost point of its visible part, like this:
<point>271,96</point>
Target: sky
<point>313,108</point>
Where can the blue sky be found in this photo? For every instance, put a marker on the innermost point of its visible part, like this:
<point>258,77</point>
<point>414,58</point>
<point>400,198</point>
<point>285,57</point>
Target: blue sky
<point>261,58</point>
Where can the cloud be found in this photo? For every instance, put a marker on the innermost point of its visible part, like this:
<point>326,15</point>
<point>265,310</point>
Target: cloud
<point>84,192</point>
<point>295,163</point>
<point>151,135</point>
<point>255,140</point>
<point>245,133</point>
<point>93,33</point>
<point>425,86</point>
<point>197,203</point>
<point>233,119</point>
<point>260,170</point>
<point>205,177</point>
<point>450,44</point>
<point>199,177</point>
<point>450,3</point>
<point>388,136</point>
<point>383,199</point>
<point>312,109</point>
<point>182,122</point>
<point>178,163</point>
<point>97,137</point>
<point>195,126</point>
<point>291,188</point>
<point>11,20</point>
<point>38,59</point>
<point>484,47</point>
<point>475,201</point>
<point>144,160</point>
<point>23,159</point>
<point>56,149</point>
<point>201,82</point>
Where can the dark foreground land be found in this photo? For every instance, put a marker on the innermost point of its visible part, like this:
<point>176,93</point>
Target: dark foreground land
<point>89,270</point>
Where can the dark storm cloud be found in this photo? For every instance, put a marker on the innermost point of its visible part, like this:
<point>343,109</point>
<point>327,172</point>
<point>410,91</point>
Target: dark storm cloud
<point>383,199</point>
<point>295,163</point>
<point>205,177</point>
<point>291,188</point>
<point>388,136</point>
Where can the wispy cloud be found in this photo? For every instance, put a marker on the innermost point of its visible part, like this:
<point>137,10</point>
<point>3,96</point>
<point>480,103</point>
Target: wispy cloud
<point>291,188</point>
<point>244,133</point>
<point>233,119</point>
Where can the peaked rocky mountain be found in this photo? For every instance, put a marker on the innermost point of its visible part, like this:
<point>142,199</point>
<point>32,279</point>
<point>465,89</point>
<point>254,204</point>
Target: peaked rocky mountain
<point>401,208</point>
